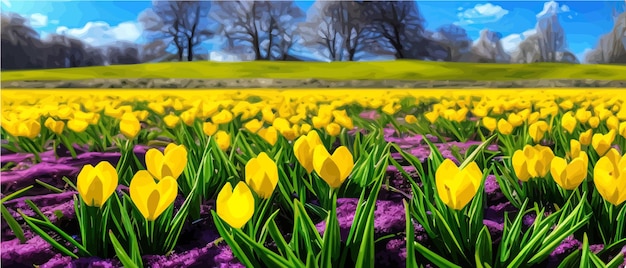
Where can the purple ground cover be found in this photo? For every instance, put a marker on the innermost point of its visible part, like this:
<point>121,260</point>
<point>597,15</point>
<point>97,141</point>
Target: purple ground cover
<point>195,248</point>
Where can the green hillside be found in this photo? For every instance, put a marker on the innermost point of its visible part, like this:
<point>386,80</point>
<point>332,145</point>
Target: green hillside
<point>399,70</point>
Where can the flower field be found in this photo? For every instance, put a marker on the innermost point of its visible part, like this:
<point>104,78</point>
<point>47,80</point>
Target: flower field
<point>313,178</point>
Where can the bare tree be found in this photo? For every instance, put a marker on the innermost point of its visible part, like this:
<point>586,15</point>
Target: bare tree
<point>488,48</point>
<point>611,47</point>
<point>153,50</point>
<point>21,47</point>
<point>551,38</point>
<point>337,27</point>
<point>455,38</point>
<point>70,51</point>
<point>267,27</point>
<point>123,53</point>
<point>396,25</point>
<point>182,24</point>
<point>548,44</point>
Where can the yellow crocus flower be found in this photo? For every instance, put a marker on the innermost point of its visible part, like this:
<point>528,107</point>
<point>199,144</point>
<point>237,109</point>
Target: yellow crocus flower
<point>568,122</point>
<point>622,129</point>
<point>594,121</point>
<point>235,206</point>
<point>96,184</point>
<point>171,120</point>
<point>170,163</point>
<point>612,122</point>
<point>253,125</point>
<point>223,117</point>
<point>333,129</point>
<point>490,123</point>
<point>209,128</point>
<point>269,134</point>
<point>504,127</point>
<point>129,126</point>
<point>222,139</point>
<point>520,165</point>
<point>54,126</point>
<point>569,175</point>
<point>585,137</point>
<point>410,119</point>
<point>77,125</point>
<point>602,143</point>
<point>335,168</point>
<point>303,149</point>
<point>456,187</point>
<point>537,130</point>
<point>151,198</point>
<point>262,175</point>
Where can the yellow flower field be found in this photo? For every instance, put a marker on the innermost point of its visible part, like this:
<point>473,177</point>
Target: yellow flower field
<point>481,178</point>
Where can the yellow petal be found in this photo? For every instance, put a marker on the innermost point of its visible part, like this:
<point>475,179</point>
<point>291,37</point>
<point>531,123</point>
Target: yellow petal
<point>167,189</point>
<point>320,154</point>
<point>302,151</point>
<point>444,180</point>
<point>344,161</point>
<point>576,172</point>
<point>94,197</point>
<point>84,180</point>
<point>330,173</point>
<point>154,162</point>
<point>557,170</point>
<point>604,180</point>
<point>520,165</point>
<point>141,187</point>
<point>108,177</point>
<point>175,160</point>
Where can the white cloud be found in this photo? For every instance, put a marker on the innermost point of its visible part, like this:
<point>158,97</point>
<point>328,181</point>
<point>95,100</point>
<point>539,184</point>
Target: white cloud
<point>551,7</point>
<point>6,3</point>
<point>511,42</point>
<point>100,33</point>
<point>482,13</point>
<point>38,20</point>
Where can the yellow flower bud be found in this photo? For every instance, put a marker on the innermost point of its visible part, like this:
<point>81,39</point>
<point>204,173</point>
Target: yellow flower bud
<point>262,175</point>
<point>235,206</point>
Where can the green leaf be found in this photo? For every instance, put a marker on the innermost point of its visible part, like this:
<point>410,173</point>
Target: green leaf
<point>571,260</point>
<point>475,153</point>
<point>121,254</point>
<point>270,258</point>
<point>15,194</point>
<point>48,186</point>
<point>32,223</point>
<point>332,238</point>
<point>410,236</point>
<point>437,260</point>
<point>234,246</point>
<point>585,260</point>
<point>484,247</point>
<point>15,227</point>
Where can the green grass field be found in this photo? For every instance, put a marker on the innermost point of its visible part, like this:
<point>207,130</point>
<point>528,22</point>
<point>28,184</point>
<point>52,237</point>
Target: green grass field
<point>399,70</point>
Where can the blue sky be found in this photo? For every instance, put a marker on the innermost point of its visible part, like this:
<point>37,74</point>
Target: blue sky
<point>101,22</point>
